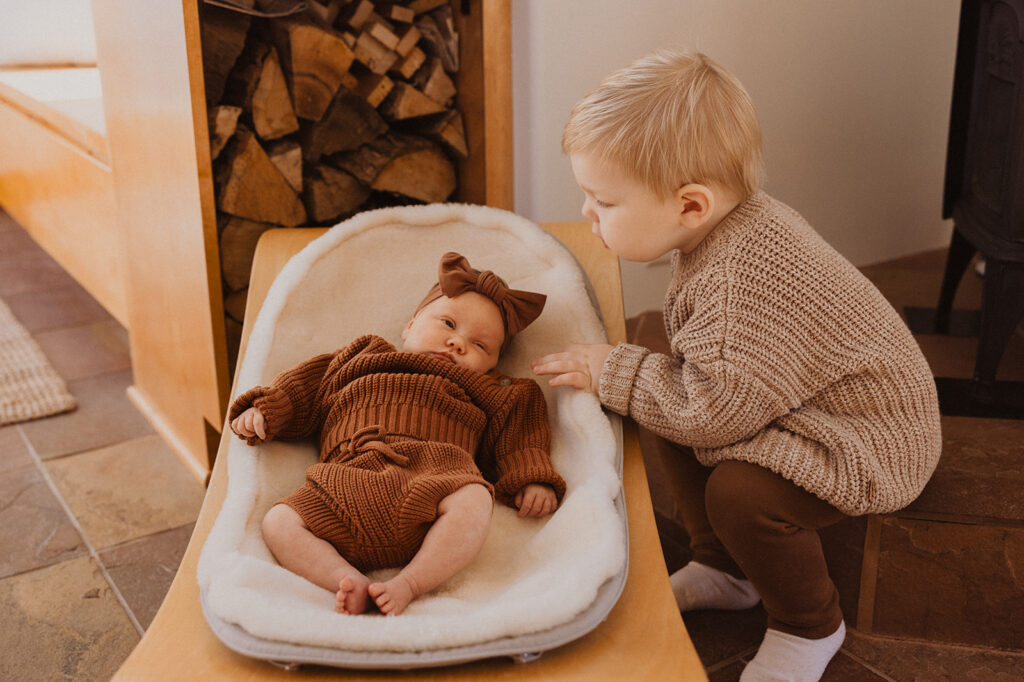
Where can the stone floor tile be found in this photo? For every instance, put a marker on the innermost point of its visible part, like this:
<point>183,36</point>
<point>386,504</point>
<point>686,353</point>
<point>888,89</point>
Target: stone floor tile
<point>980,472</point>
<point>844,668</point>
<point>951,582</point>
<point>54,308</point>
<point>143,569</point>
<point>729,672</point>
<point>86,350</point>
<point>14,241</point>
<point>13,451</point>
<point>35,531</point>
<point>64,622</point>
<point>31,271</point>
<point>721,635</point>
<point>104,416</point>
<point>129,490</point>
<point>910,661</point>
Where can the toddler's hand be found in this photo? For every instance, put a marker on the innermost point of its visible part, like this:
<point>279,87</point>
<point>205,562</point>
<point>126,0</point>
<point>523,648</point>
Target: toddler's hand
<point>578,366</point>
<point>250,423</point>
<point>536,499</point>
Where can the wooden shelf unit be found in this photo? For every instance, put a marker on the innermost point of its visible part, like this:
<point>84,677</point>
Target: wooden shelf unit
<point>138,228</point>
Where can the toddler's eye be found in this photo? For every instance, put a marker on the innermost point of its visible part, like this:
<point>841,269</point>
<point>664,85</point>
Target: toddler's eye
<point>449,324</point>
<point>602,204</point>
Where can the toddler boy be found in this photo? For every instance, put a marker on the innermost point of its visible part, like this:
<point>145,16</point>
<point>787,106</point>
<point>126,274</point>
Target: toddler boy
<point>794,395</point>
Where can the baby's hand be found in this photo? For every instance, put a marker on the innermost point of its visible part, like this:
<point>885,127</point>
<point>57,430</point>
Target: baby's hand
<point>250,423</point>
<point>536,499</point>
<point>578,366</point>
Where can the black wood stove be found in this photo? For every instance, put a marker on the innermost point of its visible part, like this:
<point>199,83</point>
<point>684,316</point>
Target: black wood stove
<point>984,194</point>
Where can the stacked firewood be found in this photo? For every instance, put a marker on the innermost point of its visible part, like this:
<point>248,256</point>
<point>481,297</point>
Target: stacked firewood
<point>318,110</point>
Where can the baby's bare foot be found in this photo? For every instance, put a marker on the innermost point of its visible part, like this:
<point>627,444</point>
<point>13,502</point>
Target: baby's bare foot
<point>394,595</point>
<point>351,596</point>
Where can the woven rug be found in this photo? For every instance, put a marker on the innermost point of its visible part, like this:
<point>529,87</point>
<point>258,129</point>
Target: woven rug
<point>29,386</point>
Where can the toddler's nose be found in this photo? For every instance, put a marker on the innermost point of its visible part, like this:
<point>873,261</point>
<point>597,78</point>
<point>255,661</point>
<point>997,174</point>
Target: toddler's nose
<point>455,343</point>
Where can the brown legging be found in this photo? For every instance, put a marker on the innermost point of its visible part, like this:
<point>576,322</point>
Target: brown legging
<point>750,522</point>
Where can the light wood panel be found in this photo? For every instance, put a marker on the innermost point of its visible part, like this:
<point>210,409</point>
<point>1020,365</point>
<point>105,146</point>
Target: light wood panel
<point>150,61</point>
<point>643,638</point>
<point>64,196</point>
<point>484,96</point>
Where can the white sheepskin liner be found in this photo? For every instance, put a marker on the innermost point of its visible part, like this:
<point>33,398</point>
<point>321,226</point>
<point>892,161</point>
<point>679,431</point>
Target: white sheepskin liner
<point>366,275</point>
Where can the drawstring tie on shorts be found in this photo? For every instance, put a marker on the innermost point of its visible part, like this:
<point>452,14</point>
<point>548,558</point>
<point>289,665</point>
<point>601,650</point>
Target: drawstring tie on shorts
<point>371,438</point>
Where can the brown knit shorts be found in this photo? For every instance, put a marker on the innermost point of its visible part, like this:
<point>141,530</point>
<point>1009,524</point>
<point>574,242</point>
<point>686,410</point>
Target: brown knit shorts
<point>376,507</point>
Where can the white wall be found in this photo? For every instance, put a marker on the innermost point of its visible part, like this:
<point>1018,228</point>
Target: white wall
<point>34,32</point>
<point>853,97</point>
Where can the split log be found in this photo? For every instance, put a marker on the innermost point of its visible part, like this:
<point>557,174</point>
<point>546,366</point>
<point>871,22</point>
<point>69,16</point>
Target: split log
<point>421,6</point>
<point>407,39</point>
<point>435,43</point>
<point>222,122</point>
<point>424,174</point>
<point>412,62</point>
<point>349,122</point>
<point>369,160</point>
<point>405,101</point>
<point>446,128</point>
<point>404,15</point>
<point>252,187</point>
<point>374,88</point>
<point>374,54</point>
<point>444,18</point>
<point>272,112</point>
<point>327,12</point>
<point>237,248</point>
<point>223,35</point>
<point>234,304</point>
<point>332,193</point>
<point>359,13</point>
<point>384,35</point>
<point>316,60</point>
<point>286,155</point>
<point>433,81</point>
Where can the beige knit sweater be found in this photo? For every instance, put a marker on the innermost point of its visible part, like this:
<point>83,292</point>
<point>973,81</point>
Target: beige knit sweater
<point>785,356</point>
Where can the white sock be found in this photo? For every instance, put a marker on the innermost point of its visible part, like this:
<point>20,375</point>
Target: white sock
<point>697,586</point>
<point>788,658</point>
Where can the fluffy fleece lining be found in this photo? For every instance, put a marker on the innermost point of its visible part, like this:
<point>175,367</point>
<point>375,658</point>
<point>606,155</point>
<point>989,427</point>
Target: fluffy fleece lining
<point>366,275</point>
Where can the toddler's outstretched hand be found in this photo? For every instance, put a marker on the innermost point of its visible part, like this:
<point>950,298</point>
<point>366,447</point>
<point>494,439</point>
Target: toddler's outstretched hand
<point>250,423</point>
<point>536,499</point>
<point>578,366</point>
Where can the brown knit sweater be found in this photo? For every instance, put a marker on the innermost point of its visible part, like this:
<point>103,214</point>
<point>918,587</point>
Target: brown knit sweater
<point>502,420</point>
<point>785,356</point>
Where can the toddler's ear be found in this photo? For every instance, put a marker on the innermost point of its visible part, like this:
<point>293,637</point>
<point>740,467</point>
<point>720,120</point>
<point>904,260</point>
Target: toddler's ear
<point>696,203</point>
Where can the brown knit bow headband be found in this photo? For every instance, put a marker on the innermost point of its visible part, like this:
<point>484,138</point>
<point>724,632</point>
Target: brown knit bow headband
<point>455,276</point>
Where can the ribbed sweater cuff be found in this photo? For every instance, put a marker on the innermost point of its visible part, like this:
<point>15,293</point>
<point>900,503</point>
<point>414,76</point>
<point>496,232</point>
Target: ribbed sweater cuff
<point>530,465</point>
<point>618,376</point>
<point>272,402</point>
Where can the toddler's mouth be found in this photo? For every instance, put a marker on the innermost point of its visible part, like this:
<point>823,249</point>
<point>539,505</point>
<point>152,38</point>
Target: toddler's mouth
<point>444,356</point>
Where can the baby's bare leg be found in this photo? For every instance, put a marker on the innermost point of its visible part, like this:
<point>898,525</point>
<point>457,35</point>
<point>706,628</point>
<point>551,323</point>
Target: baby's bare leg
<point>450,545</point>
<point>316,560</point>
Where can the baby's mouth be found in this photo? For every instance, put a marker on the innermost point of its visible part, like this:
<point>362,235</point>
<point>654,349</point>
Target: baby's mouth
<point>444,356</point>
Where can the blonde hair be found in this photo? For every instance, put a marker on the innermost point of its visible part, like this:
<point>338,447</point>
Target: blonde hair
<point>669,119</point>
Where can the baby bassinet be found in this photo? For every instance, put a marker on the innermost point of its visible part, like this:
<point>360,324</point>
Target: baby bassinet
<point>538,583</point>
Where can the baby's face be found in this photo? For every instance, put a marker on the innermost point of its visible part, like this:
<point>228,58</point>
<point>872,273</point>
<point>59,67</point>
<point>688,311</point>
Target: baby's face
<point>466,330</point>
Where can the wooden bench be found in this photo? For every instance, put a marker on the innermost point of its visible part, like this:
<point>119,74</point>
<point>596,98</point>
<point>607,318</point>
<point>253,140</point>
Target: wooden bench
<point>642,638</point>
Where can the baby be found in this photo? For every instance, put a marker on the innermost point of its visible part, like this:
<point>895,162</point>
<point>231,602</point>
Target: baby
<point>414,445</point>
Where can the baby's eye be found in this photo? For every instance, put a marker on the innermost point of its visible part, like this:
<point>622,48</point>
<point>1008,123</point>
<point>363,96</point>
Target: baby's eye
<point>481,346</point>
<point>449,324</point>
<point>602,204</point>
